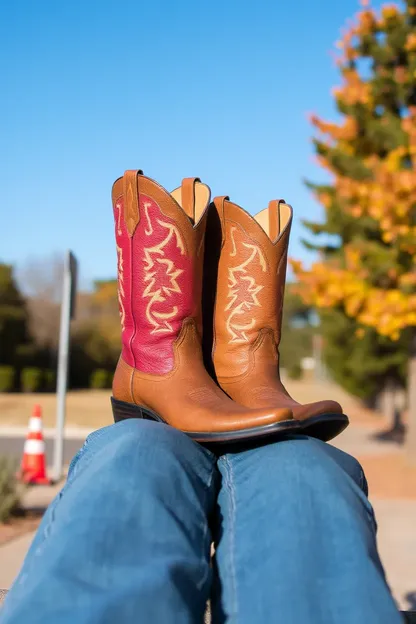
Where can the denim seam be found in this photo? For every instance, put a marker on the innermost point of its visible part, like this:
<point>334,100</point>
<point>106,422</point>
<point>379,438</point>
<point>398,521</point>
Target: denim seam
<point>72,472</point>
<point>205,524</point>
<point>232,522</point>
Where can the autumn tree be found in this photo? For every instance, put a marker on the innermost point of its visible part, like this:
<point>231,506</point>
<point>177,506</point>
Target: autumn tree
<point>41,279</point>
<point>367,272</point>
<point>96,339</point>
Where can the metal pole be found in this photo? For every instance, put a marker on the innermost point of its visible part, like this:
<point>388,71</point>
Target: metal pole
<point>63,352</point>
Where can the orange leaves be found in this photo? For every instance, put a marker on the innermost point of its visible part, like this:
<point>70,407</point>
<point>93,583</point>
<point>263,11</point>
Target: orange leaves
<point>337,132</point>
<point>325,199</point>
<point>326,286</point>
<point>389,311</point>
<point>366,22</point>
<point>355,90</point>
<point>411,42</point>
<point>401,75</point>
<point>390,13</point>
<point>389,197</point>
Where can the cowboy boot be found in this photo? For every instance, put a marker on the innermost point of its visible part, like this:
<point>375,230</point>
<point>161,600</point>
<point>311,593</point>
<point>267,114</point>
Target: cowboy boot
<point>160,374</point>
<point>251,259</point>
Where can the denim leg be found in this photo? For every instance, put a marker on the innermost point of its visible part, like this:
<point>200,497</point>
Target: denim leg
<point>297,539</point>
<point>127,539</point>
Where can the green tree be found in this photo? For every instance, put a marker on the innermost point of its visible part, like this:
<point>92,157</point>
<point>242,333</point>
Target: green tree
<point>96,341</point>
<point>298,330</point>
<point>13,317</point>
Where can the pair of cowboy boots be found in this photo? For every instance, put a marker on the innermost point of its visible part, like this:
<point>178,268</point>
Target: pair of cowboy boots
<point>168,263</point>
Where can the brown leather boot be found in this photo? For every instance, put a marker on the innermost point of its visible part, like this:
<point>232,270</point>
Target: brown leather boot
<point>160,374</point>
<point>251,256</point>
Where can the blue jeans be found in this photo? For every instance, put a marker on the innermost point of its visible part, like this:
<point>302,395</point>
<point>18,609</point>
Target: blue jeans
<point>128,538</point>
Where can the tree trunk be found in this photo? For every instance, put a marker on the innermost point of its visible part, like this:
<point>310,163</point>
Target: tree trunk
<point>388,402</point>
<point>411,389</point>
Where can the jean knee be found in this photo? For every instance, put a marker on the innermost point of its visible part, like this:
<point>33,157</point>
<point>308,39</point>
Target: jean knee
<point>132,434</point>
<point>127,438</point>
<point>312,459</point>
<point>348,463</point>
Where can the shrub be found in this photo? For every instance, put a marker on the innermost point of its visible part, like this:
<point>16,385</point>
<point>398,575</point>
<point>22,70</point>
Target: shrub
<point>7,376</point>
<point>295,371</point>
<point>10,489</point>
<point>100,379</point>
<point>31,379</point>
<point>49,380</point>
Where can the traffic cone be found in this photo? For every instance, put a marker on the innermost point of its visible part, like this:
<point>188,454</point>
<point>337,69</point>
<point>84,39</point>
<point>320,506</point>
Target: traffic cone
<point>33,468</point>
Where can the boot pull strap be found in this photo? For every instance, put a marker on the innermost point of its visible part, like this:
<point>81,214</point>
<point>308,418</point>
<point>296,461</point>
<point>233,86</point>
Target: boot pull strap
<point>274,218</point>
<point>131,199</point>
<point>219,204</point>
<point>188,196</point>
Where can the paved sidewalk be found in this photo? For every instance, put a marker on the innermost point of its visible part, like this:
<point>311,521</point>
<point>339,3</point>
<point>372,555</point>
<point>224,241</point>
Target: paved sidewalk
<point>396,517</point>
<point>11,558</point>
<point>397,546</point>
<point>12,553</point>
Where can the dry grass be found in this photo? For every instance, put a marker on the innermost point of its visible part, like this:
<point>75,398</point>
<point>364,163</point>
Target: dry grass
<point>91,408</point>
<point>85,408</point>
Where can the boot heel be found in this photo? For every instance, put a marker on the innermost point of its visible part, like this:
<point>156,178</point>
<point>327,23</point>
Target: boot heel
<point>123,410</point>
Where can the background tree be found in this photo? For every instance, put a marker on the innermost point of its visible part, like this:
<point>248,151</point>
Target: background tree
<point>13,317</point>
<point>96,342</point>
<point>298,330</point>
<point>41,280</point>
<point>367,272</point>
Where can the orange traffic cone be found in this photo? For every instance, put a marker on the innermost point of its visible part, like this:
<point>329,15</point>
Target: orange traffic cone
<point>33,468</point>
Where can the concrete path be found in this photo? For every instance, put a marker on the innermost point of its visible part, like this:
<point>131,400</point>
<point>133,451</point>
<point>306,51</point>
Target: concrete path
<point>11,558</point>
<point>397,546</point>
<point>358,441</point>
<point>396,519</point>
<point>13,447</point>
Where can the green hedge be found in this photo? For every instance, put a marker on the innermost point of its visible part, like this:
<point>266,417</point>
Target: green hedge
<point>49,380</point>
<point>295,372</point>
<point>10,489</point>
<point>31,380</point>
<point>7,378</point>
<point>100,379</point>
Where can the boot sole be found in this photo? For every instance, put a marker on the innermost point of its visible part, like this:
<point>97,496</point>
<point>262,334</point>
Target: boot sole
<point>325,427</point>
<point>123,410</point>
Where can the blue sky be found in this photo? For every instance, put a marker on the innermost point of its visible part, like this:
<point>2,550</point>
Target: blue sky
<point>217,89</point>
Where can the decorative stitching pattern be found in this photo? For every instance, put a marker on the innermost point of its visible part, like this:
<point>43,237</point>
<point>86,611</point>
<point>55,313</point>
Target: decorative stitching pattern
<point>120,271</point>
<point>232,508</point>
<point>161,275</point>
<point>243,290</point>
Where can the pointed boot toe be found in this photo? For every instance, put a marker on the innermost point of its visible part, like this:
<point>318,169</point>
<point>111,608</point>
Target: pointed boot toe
<point>323,420</point>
